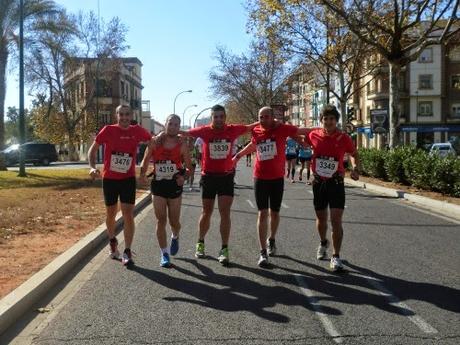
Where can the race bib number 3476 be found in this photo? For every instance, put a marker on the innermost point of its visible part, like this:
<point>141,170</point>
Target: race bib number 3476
<point>219,149</point>
<point>120,162</point>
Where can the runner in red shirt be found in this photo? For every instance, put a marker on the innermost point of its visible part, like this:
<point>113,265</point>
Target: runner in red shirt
<point>167,184</point>
<point>329,147</point>
<point>269,140</point>
<point>118,176</point>
<point>217,175</point>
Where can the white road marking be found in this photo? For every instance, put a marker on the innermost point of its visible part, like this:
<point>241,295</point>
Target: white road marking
<point>309,191</point>
<point>284,205</point>
<point>250,203</point>
<point>405,309</point>
<point>327,323</point>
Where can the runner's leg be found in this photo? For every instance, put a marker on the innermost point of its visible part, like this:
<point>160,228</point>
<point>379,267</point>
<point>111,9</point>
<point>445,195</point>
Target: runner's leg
<point>205,218</point>
<point>337,229</point>
<point>159,205</point>
<point>110,219</point>
<point>174,206</point>
<point>127,211</point>
<point>224,203</point>
<point>321,223</point>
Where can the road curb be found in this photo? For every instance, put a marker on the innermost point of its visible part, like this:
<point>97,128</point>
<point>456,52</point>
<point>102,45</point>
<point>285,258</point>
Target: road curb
<point>24,297</point>
<point>443,207</point>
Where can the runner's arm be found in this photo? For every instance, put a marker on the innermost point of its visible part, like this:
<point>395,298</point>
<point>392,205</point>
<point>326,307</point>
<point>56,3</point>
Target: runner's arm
<point>147,154</point>
<point>251,126</point>
<point>250,148</point>
<point>186,158</point>
<point>92,155</point>
<point>303,130</point>
<point>355,163</point>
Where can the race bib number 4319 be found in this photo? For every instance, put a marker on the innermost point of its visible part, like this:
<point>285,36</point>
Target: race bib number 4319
<point>326,166</point>
<point>165,170</point>
<point>219,149</point>
<point>120,162</point>
<point>266,150</point>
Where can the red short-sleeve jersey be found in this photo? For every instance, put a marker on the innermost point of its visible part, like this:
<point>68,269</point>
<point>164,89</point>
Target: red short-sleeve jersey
<point>217,147</point>
<point>270,157</point>
<point>120,149</point>
<point>329,150</point>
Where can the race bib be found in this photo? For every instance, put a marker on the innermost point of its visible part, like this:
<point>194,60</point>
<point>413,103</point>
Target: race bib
<point>165,170</point>
<point>291,150</point>
<point>219,149</point>
<point>120,162</point>
<point>326,166</point>
<point>266,150</point>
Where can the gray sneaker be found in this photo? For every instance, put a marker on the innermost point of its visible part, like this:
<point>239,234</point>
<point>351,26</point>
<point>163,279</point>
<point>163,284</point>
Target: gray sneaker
<point>336,264</point>
<point>321,254</point>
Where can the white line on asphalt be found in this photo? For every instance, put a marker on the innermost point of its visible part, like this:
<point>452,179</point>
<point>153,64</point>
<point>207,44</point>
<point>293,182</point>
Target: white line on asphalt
<point>309,191</point>
<point>250,203</point>
<point>405,309</point>
<point>284,205</point>
<point>327,323</point>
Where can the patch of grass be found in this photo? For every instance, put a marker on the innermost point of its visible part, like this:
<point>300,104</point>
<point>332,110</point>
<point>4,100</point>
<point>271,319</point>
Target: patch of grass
<point>36,178</point>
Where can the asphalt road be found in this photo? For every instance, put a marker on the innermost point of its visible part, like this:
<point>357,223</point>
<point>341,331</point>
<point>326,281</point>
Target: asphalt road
<point>401,283</point>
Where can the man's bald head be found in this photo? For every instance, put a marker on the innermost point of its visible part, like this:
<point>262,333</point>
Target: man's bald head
<point>266,111</point>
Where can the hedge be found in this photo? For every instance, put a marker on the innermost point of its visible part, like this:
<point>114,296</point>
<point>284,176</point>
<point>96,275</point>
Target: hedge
<point>411,166</point>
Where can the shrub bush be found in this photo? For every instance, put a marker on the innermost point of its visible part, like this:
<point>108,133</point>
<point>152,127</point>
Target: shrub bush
<point>372,162</point>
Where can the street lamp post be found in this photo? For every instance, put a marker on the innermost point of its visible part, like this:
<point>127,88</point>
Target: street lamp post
<point>175,99</point>
<point>22,134</point>
<point>197,115</point>
<point>185,110</point>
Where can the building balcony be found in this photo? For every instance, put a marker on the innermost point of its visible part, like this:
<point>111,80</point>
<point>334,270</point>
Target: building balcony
<point>374,95</point>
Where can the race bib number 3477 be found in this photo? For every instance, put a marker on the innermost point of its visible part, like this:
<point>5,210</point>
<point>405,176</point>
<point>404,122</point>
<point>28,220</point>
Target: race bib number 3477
<point>120,162</point>
<point>219,149</point>
<point>266,150</point>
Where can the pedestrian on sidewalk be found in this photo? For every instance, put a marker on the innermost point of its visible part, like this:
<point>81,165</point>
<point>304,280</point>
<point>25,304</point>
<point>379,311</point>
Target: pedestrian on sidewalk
<point>120,142</point>
<point>167,153</point>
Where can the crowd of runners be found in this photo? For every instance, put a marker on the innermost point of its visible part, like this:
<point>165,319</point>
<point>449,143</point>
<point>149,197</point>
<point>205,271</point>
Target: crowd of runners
<point>171,158</point>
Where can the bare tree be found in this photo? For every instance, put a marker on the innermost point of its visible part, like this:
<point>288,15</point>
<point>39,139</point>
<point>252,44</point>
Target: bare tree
<point>249,79</point>
<point>399,30</point>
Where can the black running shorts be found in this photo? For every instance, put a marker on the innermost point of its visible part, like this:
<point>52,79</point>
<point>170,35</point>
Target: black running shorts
<point>212,185</point>
<point>290,157</point>
<point>329,192</point>
<point>269,194</point>
<point>125,189</point>
<point>166,188</point>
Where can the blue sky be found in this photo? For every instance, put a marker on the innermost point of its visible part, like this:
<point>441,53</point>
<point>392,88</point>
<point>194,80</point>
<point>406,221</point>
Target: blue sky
<point>175,40</point>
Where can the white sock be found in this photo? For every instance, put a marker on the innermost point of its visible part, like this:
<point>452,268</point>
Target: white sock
<point>174,237</point>
<point>164,251</point>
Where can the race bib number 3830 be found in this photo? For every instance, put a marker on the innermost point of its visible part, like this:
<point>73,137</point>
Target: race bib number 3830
<point>219,149</point>
<point>120,162</point>
<point>326,166</point>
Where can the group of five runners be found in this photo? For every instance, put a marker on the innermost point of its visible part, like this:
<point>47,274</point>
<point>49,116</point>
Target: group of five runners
<point>170,155</point>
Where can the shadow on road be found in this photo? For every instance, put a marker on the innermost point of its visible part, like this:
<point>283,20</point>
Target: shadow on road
<point>230,293</point>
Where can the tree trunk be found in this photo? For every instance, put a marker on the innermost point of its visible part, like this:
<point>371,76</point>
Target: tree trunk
<point>395,71</point>
<point>3,63</point>
<point>343,97</point>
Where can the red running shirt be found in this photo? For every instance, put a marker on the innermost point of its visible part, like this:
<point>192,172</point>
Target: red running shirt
<point>120,149</point>
<point>270,157</point>
<point>328,151</point>
<point>167,162</point>
<point>217,147</point>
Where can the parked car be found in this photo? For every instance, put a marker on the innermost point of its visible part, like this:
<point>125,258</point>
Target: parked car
<point>443,149</point>
<point>36,153</point>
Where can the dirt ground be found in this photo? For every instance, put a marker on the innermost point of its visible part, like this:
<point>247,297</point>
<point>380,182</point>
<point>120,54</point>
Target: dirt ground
<point>39,222</point>
<point>412,190</point>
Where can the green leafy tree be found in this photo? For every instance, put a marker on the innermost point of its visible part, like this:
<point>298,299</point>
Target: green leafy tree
<point>9,26</point>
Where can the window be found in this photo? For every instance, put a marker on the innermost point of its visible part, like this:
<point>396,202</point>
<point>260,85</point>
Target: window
<point>425,81</point>
<point>426,56</point>
<point>456,82</point>
<point>425,109</point>
<point>456,110</point>
<point>454,54</point>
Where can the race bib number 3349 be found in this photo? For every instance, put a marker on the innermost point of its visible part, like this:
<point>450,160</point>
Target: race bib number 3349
<point>120,162</point>
<point>326,166</point>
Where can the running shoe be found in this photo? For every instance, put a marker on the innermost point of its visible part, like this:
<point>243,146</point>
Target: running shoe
<point>336,264</point>
<point>199,253</point>
<point>271,247</point>
<point>174,246</point>
<point>113,252</point>
<point>223,256</point>
<point>300,178</point>
<point>293,181</point>
<point>127,258</point>
<point>263,260</point>
<point>322,251</point>
<point>165,260</point>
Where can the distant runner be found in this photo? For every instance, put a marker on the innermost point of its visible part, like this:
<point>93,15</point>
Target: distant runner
<point>305,154</point>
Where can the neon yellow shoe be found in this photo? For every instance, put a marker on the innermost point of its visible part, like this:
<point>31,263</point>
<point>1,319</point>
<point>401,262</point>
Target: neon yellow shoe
<point>199,252</point>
